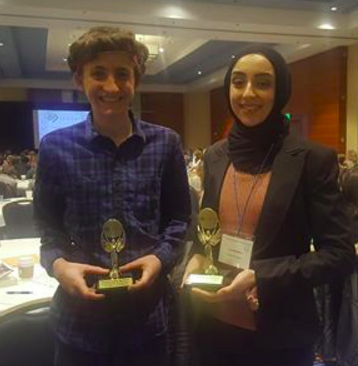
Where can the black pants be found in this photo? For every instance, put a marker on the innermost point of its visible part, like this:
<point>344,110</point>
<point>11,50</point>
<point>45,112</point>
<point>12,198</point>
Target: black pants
<point>218,344</point>
<point>153,353</point>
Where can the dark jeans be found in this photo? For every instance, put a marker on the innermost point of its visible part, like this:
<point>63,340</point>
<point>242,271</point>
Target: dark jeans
<point>153,353</point>
<point>218,344</point>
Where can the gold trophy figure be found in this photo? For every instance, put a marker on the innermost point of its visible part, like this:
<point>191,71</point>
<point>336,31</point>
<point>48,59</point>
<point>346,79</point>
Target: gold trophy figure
<point>113,240</point>
<point>209,235</point>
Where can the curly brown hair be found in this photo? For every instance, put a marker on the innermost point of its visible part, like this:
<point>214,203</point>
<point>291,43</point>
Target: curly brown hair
<point>107,39</point>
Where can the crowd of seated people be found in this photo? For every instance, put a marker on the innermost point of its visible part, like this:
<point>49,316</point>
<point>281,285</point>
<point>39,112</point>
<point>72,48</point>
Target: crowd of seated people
<point>14,167</point>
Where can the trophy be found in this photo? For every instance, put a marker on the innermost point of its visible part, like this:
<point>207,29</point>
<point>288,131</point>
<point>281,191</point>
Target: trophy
<point>209,235</point>
<point>113,240</point>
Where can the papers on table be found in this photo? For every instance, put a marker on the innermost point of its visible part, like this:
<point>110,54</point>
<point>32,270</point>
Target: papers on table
<point>5,269</point>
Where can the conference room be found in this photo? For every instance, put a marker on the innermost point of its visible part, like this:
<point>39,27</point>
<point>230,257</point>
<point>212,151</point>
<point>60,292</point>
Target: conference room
<point>191,43</point>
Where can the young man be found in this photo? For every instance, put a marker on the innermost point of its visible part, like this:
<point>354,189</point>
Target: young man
<point>111,166</point>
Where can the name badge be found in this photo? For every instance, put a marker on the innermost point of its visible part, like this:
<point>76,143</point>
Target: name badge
<point>235,251</point>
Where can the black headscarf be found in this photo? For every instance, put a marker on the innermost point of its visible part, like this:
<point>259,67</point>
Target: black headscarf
<point>249,146</point>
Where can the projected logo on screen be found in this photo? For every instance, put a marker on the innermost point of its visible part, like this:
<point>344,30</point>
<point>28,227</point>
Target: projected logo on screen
<point>51,117</point>
<point>46,121</point>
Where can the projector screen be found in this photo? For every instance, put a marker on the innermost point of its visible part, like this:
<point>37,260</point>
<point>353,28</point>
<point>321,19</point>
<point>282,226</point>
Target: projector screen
<point>46,120</point>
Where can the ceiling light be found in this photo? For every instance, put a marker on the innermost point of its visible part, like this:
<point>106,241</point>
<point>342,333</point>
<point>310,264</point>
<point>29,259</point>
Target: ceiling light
<point>1,44</point>
<point>152,43</point>
<point>174,11</point>
<point>232,56</point>
<point>199,72</point>
<point>326,26</point>
<point>64,59</point>
<point>334,8</point>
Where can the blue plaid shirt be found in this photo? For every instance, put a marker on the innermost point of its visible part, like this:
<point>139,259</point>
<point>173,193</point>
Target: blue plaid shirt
<point>82,180</point>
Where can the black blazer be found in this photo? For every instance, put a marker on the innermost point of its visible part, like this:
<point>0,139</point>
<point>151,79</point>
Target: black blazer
<point>303,202</point>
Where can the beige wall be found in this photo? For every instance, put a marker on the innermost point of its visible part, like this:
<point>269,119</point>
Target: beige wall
<point>352,98</point>
<point>13,94</point>
<point>197,125</point>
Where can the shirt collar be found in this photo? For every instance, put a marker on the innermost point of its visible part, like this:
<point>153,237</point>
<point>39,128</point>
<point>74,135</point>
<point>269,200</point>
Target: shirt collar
<point>91,133</point>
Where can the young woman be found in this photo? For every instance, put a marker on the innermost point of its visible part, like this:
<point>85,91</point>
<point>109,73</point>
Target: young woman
<point>274,194</point>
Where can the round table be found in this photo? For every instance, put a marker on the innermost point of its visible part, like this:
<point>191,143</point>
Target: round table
<point>16,293</point>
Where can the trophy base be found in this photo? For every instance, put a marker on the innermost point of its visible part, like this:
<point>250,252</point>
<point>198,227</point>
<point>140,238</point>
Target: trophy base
<point>110,285</point>
<point>205,282</point>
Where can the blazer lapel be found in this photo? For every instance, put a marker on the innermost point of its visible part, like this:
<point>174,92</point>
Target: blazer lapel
<point>217,167</point>
<point>220,170</point>
<point>286,172</point>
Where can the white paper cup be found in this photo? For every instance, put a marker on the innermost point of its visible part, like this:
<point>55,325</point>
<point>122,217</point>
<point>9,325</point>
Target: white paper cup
<point>26,267</point>
<point>28,194</point>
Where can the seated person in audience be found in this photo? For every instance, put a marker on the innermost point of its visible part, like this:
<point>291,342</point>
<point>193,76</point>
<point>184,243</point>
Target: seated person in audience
<point>195,180</point>
<point>6,190</point>
<point>111,166</point>
<point>8,167</point>
<point>196,173</point>
<point>10,183</point>
<point>350,192</point>
<point>351,160</point>
<point>31,173</point>
<point>197,158</point>
<point>274,194</point>
<point>23,166</point>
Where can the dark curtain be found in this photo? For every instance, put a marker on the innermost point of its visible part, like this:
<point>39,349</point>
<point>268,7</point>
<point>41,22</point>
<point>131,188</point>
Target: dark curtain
<point>16,130</point>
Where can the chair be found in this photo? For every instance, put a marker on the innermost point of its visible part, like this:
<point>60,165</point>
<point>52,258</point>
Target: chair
<point>26,338</point>
<point>6,190</point>
<point>19,222</point>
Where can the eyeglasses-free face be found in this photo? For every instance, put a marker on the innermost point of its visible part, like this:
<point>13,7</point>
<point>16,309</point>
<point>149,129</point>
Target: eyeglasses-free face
<point>109,84</point>
<point>252,89</point>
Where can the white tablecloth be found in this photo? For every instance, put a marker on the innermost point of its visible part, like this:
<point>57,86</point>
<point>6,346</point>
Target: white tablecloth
<point>23,184</point>
<point>15,292</point>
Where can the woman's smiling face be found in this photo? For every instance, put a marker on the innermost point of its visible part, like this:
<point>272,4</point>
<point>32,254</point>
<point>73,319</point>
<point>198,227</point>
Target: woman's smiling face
<point>252,89</point>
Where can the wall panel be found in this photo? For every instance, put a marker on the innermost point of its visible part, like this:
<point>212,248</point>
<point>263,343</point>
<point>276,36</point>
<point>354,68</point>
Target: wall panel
<point>166,109</point>
<point>319,91</point>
